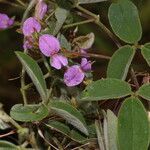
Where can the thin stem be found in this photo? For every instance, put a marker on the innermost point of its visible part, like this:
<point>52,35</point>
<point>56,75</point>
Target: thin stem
<point>100,24</point>
<point>21,3</point>
<point>96,17</point>
<point>7,118</point>
<point>23,85</point>
<point>9,3</point>
<point>134,79</point>
<point>78,23</point>
<point>46,63</point>
<point>77,54</point>
<point>110,34</point>
<point>26,87</point>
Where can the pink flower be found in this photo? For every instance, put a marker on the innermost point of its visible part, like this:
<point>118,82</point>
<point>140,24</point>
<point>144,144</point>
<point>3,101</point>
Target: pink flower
<point>28,43</point>
<point>50,46</point>
<point>58,61</point>
<point>5,21</point>
<point>40,10</point>
<point>30,26</point>
<point>86,65</point>
<point>73,76</point>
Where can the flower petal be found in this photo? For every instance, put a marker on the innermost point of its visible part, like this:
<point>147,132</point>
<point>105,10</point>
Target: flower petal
<point>28,43</point>
<point>40,10</point>
<point>58,61</point>
<point>86,65</point>
<point>30,26</point>
<point>49,45</point>
<point>73,76</point>
<point>5,21</point>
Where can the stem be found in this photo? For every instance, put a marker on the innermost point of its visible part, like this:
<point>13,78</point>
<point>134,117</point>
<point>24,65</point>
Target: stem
<point>7,118</point>
<point>100,24</point>
<point>135,79</point>
<point>90,55</point>
<point>9,3</point>
<point>78,23</point>
<point>110,34</point>
<point>96,17</point>
<point>46,63</point>
<point>26,87</point>
<point>20,2</point>
<point>23,85</point>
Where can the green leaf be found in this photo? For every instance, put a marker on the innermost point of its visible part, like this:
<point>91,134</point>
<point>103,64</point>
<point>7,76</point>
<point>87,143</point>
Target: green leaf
<point>65,4</point>
<point>106,89</point>
<point>89,1</point>
<point>64,129</point>
<point>34,72</point>
<point>28,113</point>
<point>144,91</point>
<point>99,135</point>
<point>120,62</point>
<point>64,42</point>
<point>146,52</point>
<point>133,126</point>
<point>124,20</point>
<point>4,145</point>
<point>112,130</point>
<point>3,125</point>
<point>61,15</point>
<point>70,114</point>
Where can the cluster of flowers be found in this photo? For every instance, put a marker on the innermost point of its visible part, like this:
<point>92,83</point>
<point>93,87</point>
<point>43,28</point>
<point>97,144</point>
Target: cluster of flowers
<point>50,46</point>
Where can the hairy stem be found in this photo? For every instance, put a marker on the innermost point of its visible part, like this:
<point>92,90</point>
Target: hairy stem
<point>100,24</point>
<point>78,23</point>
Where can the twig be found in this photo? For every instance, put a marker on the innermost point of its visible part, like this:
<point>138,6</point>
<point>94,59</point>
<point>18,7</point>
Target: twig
<point>7,134</point>
<point>26,87</point>
<point>100,24</point>
<point>23,85</point>
<point>78,23</point>
<point>78,54</point>
<point>134,79</point>
<point>42,136</point>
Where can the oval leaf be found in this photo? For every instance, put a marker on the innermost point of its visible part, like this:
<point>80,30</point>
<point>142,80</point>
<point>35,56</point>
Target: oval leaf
<point>34,72</point>
<point>61,15</point>
<point>144,91</point>
<point>146,53</point>
<point>64,129</point>
<point>4,145</point>
<point>106,89</point>
<point>70,114</point>
<point>28,113</point>
<point>133,126</point>
<point>120,62</point>
<point>112,130</point>
<point>124,20</point>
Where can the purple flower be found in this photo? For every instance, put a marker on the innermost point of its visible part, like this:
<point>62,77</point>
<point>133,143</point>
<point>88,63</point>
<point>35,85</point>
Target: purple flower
<point>28,43</point>
<point>58,61</point>
<point>40,10</point>
<point>30,26</point>
<point>83,51</point>
<point>5,21</point>
<point>49,45</point>
<point>73,76</point>
<point>86,65</point>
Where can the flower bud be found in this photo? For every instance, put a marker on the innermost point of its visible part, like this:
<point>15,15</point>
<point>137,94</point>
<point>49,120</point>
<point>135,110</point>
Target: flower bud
<point>5,21</point>
<point>40,10</point>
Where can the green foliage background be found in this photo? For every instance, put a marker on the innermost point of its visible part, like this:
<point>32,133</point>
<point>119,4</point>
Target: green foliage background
<point>11,41</point>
